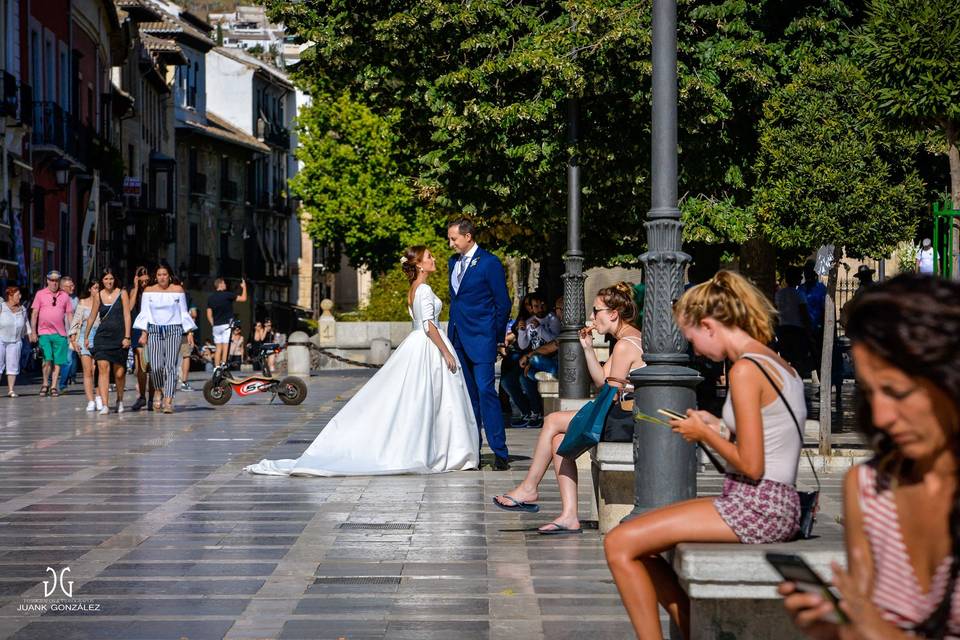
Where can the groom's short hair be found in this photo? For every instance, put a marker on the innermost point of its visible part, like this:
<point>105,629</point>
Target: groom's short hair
<point>464,226</point>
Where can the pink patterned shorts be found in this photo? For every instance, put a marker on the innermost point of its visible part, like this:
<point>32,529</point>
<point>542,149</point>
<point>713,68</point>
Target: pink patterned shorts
<point>759,511</point>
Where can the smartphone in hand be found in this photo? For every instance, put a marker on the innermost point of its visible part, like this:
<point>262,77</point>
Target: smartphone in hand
<point>795,569</point>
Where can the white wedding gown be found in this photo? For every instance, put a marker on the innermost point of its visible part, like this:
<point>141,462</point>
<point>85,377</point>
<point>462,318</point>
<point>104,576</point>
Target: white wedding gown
<point>413,416</point>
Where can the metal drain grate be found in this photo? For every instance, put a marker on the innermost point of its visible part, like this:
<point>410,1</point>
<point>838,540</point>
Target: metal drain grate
<point>358,580</point>
<point>392,526</point>
<point>299,441</point>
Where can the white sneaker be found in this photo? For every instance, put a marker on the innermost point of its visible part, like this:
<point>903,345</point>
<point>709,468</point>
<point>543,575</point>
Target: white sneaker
<point>99,403</point>
<point>104,411</point>
<point>119,407</point>
<point>91,406</point>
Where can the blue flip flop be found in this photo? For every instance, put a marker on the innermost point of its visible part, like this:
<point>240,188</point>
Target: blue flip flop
<point>559,531</point>
<point>528,507</point>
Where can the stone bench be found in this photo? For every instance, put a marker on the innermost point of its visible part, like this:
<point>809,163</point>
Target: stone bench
<point>732,588</point>
<point>611,465</point>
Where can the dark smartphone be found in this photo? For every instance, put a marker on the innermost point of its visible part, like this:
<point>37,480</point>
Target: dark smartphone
<point>795,569</point>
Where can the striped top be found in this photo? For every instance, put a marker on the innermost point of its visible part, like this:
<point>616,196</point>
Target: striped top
<point>896,590</point>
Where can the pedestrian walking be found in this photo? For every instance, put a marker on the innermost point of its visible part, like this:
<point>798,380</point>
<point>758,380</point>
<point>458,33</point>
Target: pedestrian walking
<point>14,326</point>
<point>164,318</point>
<point>50,313</point>
<point>793,326</point>
<point>220,314</point>
<point>925,257</point>
<point>68,373</point>
<point>145,391</point>
<point>111,306</point>
<point>78,336</point>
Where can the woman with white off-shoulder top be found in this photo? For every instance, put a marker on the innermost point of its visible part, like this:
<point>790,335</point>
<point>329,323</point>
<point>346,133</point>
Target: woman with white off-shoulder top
<point>163,319</point>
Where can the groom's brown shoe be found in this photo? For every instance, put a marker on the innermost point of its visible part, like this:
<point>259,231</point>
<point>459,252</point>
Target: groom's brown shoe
<point>500,464</point>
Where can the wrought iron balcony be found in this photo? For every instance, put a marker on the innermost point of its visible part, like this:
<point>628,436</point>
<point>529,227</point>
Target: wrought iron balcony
<point>198,183</point>
<point>229,191</point>
<point>10,95</point>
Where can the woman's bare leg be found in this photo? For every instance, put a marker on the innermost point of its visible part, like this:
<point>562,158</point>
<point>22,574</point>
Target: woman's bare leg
<point>103,369</point>
<point>643,578</point>
<point>120,378</point>
<point>566,471</point>
<point>553,425</point>
<point>86,363</point>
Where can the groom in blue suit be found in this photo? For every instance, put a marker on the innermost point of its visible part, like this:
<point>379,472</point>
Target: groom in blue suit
<point>479,310</point>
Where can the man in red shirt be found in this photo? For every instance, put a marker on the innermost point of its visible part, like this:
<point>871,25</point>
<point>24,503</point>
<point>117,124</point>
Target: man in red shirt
<point>50,314</point>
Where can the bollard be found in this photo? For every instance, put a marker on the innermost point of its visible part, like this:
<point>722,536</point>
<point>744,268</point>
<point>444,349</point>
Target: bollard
<point>298,355</point>
<point>327,326</point>
<point>379,351</point>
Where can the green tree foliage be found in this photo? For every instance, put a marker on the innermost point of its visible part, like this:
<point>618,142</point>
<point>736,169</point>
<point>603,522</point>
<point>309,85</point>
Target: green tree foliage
<point>355,197</point>
<point>473,100</point>
<point>829,170</point>
<point>911,51</point>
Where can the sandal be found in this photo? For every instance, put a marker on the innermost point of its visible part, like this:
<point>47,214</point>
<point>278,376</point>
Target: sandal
<point>168,407</point>
<point>156,405</point>
<point>54,392</point>
<point>43,391</point>
<point>12,394</point>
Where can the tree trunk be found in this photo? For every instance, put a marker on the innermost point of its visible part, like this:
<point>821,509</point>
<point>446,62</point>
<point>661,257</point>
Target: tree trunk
<point>758,264</point>
<point>826,362</point>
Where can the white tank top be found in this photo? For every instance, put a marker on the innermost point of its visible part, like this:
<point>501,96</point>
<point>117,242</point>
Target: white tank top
<point>781,442</point>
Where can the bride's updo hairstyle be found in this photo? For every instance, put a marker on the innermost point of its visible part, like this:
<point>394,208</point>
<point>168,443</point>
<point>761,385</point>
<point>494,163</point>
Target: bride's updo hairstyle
<point>730,299</point>
<point>410,260</point>
<point>620,298</point>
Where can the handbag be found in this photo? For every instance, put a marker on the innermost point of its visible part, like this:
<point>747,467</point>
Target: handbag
<point>618,426</point>
<point>586,427</point>
<point>809,500</point>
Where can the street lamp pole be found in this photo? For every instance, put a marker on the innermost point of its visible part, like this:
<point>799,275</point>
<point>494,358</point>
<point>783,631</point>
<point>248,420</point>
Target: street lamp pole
<point>665,466</point>
<point>574,379</point>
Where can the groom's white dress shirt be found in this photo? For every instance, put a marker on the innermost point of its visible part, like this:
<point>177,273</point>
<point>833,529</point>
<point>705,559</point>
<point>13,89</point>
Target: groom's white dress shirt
<point>462,264</point>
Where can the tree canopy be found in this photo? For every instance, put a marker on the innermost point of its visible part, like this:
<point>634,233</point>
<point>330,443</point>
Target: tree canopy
<point>469,101</point>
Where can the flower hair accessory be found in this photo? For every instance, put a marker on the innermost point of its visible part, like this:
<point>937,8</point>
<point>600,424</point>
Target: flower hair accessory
<point>403,260</point>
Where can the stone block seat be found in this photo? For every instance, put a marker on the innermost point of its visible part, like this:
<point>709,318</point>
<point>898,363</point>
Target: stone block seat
<point>732,588</point>
<point>549,388</point>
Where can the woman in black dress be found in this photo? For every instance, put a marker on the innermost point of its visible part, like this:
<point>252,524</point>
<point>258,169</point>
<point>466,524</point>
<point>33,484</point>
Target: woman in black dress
<point>112,340</point>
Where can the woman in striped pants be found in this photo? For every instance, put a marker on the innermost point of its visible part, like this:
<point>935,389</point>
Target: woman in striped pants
<point>164,319</point>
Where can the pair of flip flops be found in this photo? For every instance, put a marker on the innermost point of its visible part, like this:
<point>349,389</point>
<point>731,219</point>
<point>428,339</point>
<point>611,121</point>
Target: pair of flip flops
<point>530,507</point>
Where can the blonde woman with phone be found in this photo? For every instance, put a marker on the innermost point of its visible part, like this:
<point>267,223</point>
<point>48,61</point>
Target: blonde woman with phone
<point>902,508</point>
<point>725,318</point>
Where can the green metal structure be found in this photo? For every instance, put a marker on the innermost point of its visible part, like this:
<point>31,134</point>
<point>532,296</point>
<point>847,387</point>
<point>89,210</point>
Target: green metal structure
<point>945,229</point>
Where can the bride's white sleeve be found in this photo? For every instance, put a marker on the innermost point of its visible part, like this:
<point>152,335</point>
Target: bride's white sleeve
<point>425,307</point>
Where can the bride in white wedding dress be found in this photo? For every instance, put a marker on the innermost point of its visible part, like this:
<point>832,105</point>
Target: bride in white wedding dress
<point>413,416</point>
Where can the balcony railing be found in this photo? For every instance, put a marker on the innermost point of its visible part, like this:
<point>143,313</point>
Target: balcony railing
<point>198,183</point>
<point>10,95</point>
<point>229,191</point>
<point>278,136</point>
<point>53,127</point>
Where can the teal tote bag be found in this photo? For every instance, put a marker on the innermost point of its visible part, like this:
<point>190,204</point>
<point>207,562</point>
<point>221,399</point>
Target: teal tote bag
<point>586,426</point>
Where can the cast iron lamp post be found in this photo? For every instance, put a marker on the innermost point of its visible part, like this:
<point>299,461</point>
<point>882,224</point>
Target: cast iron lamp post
<point>665,465</point>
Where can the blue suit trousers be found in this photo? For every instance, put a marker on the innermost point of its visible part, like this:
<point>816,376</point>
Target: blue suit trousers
<point>481,384</point>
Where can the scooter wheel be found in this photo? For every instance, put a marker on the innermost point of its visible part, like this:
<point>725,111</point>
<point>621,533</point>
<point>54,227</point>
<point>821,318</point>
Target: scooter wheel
<point>292,390</point>
<point>216,394</point>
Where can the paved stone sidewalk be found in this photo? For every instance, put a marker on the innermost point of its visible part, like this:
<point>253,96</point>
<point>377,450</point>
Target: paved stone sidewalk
<point>165,536</point>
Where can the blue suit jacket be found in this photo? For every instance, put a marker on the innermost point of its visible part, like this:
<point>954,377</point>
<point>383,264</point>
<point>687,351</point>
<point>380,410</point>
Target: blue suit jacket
<point>480,309</point>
